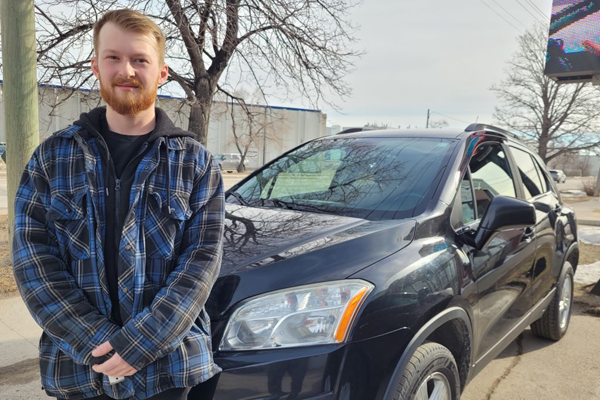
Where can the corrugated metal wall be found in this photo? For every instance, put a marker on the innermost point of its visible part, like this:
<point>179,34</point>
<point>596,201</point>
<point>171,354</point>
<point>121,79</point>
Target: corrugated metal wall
<point>285,127</point>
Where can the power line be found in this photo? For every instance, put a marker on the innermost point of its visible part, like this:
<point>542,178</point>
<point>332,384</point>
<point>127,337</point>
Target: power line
<point>536,8</point>
<point>501,16</point>
<point>445,116</point>
<point>515,18</point>
<point>530,13</point>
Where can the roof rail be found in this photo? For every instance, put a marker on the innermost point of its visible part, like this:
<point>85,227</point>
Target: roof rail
<point>354,130</point>
<point>489,128</point>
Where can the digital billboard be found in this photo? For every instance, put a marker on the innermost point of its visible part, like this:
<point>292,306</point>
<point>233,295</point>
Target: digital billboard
<point>574,41</point>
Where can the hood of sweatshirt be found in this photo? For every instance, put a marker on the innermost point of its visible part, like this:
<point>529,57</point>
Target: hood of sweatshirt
<point>92,122</point>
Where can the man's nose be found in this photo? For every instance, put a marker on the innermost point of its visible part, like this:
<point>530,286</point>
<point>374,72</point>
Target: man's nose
<point>127,70</point>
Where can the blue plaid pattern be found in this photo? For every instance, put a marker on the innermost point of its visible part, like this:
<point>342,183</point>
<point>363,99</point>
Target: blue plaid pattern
<point>170,253</point>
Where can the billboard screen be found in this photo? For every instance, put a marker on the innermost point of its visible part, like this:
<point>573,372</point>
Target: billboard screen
<point>574,40</point>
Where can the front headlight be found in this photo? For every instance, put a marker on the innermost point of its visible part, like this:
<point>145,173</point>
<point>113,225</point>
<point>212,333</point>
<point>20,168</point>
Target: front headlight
<point>301,316</point>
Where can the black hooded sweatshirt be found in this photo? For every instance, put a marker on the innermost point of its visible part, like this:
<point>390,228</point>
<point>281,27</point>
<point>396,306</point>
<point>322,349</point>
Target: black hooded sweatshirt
<point>118,189</point>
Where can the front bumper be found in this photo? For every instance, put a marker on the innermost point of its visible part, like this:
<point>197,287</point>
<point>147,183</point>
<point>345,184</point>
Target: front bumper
<point>358,370</point>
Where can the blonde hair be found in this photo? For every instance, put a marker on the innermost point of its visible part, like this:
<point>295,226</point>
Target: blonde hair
<point>132,21</point>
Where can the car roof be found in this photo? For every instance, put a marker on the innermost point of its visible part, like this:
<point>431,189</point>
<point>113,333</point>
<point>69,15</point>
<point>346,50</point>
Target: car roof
<point>435,133</point>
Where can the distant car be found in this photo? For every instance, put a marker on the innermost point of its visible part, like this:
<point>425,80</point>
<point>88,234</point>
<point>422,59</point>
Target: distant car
<point>558,175</point>
<point>387,265</point>
<point>230,161</point>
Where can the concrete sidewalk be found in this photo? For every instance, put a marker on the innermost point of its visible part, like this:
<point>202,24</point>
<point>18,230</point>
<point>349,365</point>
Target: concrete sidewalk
<point>19,368</point>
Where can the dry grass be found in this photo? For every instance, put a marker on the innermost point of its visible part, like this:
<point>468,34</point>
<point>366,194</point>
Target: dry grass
<point>8,286</point>
<point>588,253</point>
<point>588,186</point>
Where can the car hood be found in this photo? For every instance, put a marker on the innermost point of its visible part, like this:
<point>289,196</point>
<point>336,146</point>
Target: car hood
<point>267,249</point>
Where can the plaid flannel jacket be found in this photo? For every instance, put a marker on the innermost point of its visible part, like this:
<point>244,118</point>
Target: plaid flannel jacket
<point>170,254</point>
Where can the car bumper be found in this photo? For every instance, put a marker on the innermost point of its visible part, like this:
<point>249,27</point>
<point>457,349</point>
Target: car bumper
<point>359,370</point>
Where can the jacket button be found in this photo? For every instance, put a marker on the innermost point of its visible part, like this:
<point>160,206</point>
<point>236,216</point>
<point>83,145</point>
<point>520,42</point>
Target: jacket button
<point>124,290</point>
<point>128,247</point>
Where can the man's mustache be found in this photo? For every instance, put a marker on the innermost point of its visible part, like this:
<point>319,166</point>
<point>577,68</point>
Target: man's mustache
<point>128,82</point>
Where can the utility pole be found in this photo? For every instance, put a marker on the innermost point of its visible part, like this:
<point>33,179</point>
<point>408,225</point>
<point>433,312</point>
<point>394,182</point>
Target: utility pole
<point>427,126</point>
<point>21,121</point>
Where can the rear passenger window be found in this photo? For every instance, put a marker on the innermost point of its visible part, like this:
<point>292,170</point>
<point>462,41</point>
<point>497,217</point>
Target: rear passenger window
<point>491,176</point>
<point>534,181</point>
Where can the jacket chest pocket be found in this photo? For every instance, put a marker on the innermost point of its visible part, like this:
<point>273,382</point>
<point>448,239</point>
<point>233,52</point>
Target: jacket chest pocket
<point>165,223</point>
<point>68,212</point>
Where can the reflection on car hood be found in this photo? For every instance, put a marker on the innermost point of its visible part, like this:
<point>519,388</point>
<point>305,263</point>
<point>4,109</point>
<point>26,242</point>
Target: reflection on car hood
<point>259,236</point>
<point>267,249</point>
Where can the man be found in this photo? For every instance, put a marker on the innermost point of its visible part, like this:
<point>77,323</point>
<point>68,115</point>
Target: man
<point>118,235</point>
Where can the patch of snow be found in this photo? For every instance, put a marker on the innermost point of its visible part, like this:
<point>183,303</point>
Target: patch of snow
<point>573,193</point>
<point>589,234</point>
<point>588,274</point>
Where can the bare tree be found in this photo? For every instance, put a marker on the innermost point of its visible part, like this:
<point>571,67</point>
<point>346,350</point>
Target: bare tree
<point>559,119</point>
<point>285,47</point>
<point>251,126</point>
<point>439,124</point>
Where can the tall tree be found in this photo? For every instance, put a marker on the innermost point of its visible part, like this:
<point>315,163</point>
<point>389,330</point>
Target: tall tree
<point>288,47</point>
<point>559,119</point>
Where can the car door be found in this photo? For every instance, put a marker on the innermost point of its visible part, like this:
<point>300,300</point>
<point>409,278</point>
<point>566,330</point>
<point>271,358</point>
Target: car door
<point>501,269</point>
<point>536,189</point>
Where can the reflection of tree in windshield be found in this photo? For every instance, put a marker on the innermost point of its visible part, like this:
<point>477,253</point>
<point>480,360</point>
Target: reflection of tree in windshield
<point>363,177</point>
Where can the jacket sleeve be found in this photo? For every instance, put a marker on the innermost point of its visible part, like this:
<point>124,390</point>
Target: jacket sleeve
<point>162,326</point>
<point>50,292</point>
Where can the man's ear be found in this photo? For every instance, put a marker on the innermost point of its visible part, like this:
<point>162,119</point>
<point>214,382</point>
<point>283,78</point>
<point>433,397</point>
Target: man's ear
<point>95,69</point>
<point>164,74</point>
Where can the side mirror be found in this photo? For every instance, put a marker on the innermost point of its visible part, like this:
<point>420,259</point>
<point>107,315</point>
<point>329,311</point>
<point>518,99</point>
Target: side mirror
<point>503,213</point>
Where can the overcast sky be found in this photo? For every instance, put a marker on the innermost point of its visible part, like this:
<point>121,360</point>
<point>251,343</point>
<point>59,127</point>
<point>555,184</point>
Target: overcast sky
<point>438,55</point>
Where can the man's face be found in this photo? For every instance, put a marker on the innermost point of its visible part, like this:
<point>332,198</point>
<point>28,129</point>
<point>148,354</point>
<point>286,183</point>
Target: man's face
<point>129,69</point>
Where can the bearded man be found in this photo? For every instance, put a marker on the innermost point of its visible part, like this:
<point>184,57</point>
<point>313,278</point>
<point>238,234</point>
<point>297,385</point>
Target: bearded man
<point>118,235</point>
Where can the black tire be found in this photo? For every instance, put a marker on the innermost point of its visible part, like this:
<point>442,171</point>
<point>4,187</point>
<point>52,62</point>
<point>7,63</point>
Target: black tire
<point>430,361</point>
<point>550,326</point>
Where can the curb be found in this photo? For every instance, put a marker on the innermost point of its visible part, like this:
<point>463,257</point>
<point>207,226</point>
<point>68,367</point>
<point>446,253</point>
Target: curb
<point>588,222</point>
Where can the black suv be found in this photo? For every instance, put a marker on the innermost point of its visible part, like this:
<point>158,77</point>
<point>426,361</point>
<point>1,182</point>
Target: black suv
<point>387,265</point>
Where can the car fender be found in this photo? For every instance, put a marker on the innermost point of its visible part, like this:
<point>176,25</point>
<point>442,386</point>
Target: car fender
<point>573,247</point>
<point>422,334</point>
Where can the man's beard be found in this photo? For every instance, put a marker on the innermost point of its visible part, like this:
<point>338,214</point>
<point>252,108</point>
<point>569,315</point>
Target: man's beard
<point>129,102</point>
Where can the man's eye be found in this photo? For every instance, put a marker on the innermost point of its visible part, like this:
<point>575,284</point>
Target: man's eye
<point>141,60</point>
<point>112,57</point>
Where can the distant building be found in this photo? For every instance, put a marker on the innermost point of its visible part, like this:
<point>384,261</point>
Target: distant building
<point>287,127</point>
<point>577,164</point>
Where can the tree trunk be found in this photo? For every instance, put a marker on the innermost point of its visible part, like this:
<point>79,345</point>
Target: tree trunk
<point>200,110</point>
<point>198,121</point>
<point>543,147</point>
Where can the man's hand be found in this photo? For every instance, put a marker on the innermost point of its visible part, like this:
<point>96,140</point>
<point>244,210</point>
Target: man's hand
<point>114,366</point>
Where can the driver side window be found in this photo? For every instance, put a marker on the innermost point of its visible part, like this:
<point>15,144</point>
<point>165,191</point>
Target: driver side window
<point>491,176</point>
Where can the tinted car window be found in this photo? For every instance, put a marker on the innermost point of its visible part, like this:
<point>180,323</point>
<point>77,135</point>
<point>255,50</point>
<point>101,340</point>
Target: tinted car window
<point>491,176</point>
<point>532,181</point>
<point>373,178</point>
<point>463,211</point>
<point>540,170</point>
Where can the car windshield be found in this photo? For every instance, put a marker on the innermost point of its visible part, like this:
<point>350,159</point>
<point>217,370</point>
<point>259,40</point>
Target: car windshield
<point>372,178</point>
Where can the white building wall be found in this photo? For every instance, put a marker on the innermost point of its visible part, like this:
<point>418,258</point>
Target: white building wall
<point>288,127</point>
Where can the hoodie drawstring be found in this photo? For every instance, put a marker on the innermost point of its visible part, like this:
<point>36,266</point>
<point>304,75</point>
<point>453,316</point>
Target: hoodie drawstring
<point>169,209</point>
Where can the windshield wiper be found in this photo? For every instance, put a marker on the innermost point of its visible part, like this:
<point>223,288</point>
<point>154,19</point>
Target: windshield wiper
<point>282,204</point>
<point>239,198</point>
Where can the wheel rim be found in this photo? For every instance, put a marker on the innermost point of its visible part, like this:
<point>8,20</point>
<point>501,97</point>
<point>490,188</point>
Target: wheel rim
<point>565,302</point>
<point>434,387</point>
